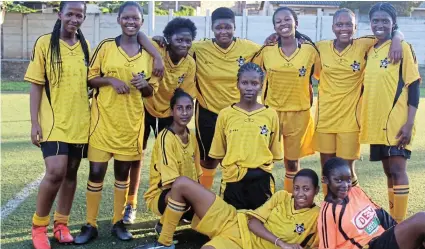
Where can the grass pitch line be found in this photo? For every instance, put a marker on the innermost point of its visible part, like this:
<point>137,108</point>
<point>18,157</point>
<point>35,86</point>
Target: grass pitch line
<point>14,203</point>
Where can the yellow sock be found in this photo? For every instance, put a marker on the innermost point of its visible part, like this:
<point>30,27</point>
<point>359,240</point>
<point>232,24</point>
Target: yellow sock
<point>289,181</point>
<point>120,199</point>
<point>93,197</point>
<point>354,181</point>
<point>40,221</point>
<point>161,220</point>
<point>391,201</point>
<point>207,178</point>
<point>172,215</point>
<point>401,198</point>
<point>60,218</point>
<point>132,200</point>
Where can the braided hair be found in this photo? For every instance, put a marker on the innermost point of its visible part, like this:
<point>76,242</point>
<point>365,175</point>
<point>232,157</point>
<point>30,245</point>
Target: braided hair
<point>54,47</point>
<point>332,164</point>
<point>343,10</point>
<point>298,35</point>
<point>179,93</point>
<point>389,9</point>
<point>249,67</point>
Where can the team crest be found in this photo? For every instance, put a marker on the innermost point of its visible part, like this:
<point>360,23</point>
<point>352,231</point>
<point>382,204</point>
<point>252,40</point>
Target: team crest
<point>384,63</point>
<point>302,71</point>
<point>240,61</point>
<point>299,228</point>
<point>264,130</point>
<point>181,79</point>
<point>142,74</point>
<point>355,66</point>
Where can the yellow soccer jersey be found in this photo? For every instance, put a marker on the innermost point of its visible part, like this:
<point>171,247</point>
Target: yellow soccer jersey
<point>117,120</point>
<point>172,158</point>
<point>64,113</point>
<point>217,69</point>
<point>288,79</point>
<point>246,140</point>
<point>341,79</point>
<point>384,107</point>
<point>291,226</point>
<point>181,75</point>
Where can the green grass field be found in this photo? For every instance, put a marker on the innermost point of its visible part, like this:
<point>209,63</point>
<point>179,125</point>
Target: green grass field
<point>22,163</point>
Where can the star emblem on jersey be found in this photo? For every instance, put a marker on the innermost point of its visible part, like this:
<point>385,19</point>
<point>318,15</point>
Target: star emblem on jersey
<point>181,79</point>
<point>302,71</point>
<point>384,63</point>
<point>142,74</point>
<point>264,130</point>
<point>299,228</point>
<point>241,61</point>
<point>355,66</point>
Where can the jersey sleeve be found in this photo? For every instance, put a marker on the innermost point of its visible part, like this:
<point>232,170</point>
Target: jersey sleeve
<point>218,145</point>
<point>275,142</point>
<point>410,65</point>
<point>188,84</point>
<point>258,58</point>
<point>193,48</point>
<point>36,71</point>
<point>197,158</point>
<point>317,66</point>
<point>95,67</point>
<point>367,41</point>
<point>167,160</point>
<point>154,83</point>
<point>327,227</point>
<point>251,49</point>
<point>262,213</point>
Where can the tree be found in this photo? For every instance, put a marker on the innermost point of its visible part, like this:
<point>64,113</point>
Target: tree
<point>404,8</point>
<point>10,6</point>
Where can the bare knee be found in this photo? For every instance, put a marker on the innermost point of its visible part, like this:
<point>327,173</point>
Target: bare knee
<point>97,173</point>
<point>71,172</point>
<point>181,183</point>
<point>397,171</point>
<point>420,220</point>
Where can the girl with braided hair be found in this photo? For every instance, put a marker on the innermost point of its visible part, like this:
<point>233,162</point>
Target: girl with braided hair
<point>60,117</point>
<point>288,87</point>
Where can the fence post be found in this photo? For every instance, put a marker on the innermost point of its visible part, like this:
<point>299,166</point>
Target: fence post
<point>319,24</point>
<point>96,26</point>
<point>24,36</point>
<point>244,33</point>
<point>208,24</point>
<point>151,18</point>
<point>170,14</point>
<point>357,13</point>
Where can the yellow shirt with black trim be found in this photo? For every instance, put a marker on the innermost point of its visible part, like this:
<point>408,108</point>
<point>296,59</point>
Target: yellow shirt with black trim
<point>341,81</point>
<point>117,120</point>
<point>217,69</point>
<point>288,79</point>
<point>245,140</point>
<point>292,226</point>
<point>385,107</point>
<point>172,158</point>
<point>180,75</point>
<point>64,113</point>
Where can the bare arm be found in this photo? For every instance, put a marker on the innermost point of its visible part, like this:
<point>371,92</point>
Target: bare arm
<point>119,86</point>
<point>35,99</point>
<point>158,65</point>
<point>147,91</point>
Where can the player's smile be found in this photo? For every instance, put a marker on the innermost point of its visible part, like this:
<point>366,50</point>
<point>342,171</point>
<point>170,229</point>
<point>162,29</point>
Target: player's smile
<point>382,25</point>
<point>304,192</point>
<point>72,16</point>
<point>284,23</point>
<point>340,183</point>
<point>130,20</point>
<point>344,27</point>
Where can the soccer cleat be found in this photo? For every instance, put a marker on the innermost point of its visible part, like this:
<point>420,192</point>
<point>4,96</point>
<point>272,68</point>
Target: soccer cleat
<point>121,232</point>
<point>158,228</point>
<point>88,232</point>
<point>39,238</point>
<point>129,215</point>
<point>62,234</point>
<point>155,245</point>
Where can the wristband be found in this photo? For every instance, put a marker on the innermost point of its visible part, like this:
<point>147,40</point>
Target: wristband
<point>275,242</point>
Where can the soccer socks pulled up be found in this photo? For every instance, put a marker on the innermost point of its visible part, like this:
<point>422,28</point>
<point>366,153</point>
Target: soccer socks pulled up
<point>60,218</point>
<point>391,201</point>
<point>207,178</point>
<point>288,182</point>
<point>120,199</point>
<point>132,200</point>
<point>171,217</point>
<point>354,181</point>
<point>40,221</point>
<point>401,198</point>
<point>93,198</point>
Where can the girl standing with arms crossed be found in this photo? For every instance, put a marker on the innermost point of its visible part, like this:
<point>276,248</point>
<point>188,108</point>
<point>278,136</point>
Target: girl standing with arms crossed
<point>60,117</point>
<point>121,72</point>
<point>289,66</point>
<point>390,102</point>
